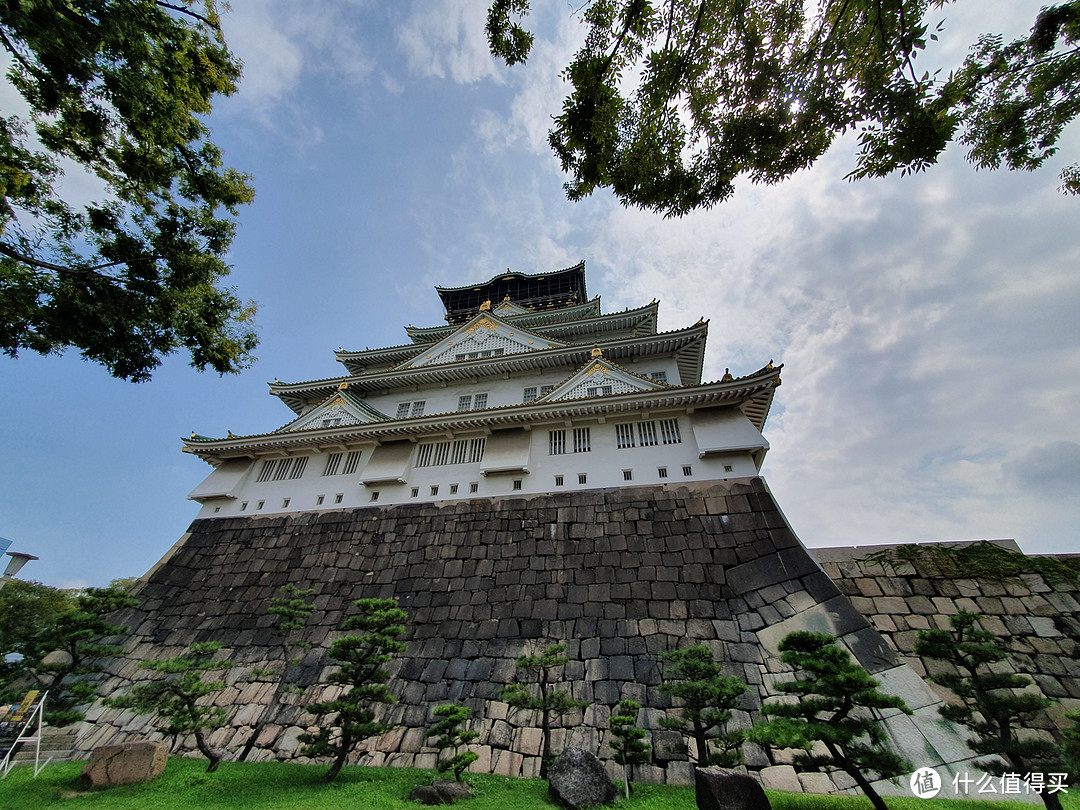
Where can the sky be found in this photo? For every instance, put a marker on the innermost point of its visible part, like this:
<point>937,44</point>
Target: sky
<point>928,325</point>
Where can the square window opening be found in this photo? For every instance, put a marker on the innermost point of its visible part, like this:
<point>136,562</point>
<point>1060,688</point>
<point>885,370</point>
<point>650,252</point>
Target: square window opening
<point>375,495</point>
<point>687,470</point>
<point>627,475</point>
<point>582,478</point>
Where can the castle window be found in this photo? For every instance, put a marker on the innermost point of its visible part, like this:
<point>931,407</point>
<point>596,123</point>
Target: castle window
<point>338,497</point>
<point>453,489</point>
<point>661,472</point>
<point>499,352</point>
<point>406,409</point>
<point>582,478</point>
<point>243,506</point>
<point>624,436</point>
<point>435,490</point>
<point>581,440</point>
<point>284,503</point>
<point>260,505</point>
<point>415,492</point>
<point>460,451</point>
<point>479,402</point>
<point>265,471</point>
<point>546,389</point>
<point>319,500</point>
<point>598,390</point>
<point>627,475</point>
<point>669,431</point>
<point>352,461</point>
<point>529,394</point>
<point>558,480</point>
<point>464,402</point>
<point>517,483</point>
<point>403,409</point>
<point>556,442</point>
<point>687,470</point>
<point>375,495</point>
<point>658,376</point>
<point>647,433</point>
<point>299,464</point>
<point>728,468</point>
<point>418,408</point>
<point>474,486</point>
<point>331,421</point>
<point>332,463</point>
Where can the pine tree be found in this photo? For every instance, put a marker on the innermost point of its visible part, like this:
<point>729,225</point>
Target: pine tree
<point>708,698</point>
<point>552,704</point>
<point>992,706</point>
<point>175,699</point>
<point>835,699</point>
<point>353,713</point>
<point>292,611</point>
<point>628,741</point>
<point>452,734</point>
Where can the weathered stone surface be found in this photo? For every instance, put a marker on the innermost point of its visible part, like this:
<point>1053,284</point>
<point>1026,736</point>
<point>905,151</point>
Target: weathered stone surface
<point>578,780</point>
<point>125,764</point>
<point>441,791</point>
<point>718,789</point>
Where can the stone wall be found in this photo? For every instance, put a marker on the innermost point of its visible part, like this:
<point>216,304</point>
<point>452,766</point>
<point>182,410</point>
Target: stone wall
<point>1037,620</point>
<point>619,575</point>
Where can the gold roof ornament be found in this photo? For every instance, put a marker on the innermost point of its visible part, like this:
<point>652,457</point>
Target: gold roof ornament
<point>727,376</point>
<point>343,386</point>
<point>486,306</point>
<point>597,351</point>
<point>769,366</point>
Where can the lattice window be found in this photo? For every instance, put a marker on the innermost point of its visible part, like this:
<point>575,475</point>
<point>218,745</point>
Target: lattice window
<point>464,402</point>
<point>529,394</point>
<point>658,376</point>
<point>661,472</point>
<point>582,441</point>
<point>281,472</point>
<point>624,436</point>
<point>418,408</point>
<point>669,431</point>
<point>459,451</point>
<point>266,471</point>
<point>627,475</point>
<point>647,434</point>
<point>598,391</point>
<point>582,478</point>
<point>352,461</point>
<point>403,409</point>
<point>299,464</point>
<point>479,402</point>
<point>556,442</point>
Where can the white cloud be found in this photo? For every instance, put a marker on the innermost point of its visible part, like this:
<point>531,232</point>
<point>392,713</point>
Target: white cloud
<point>445,39</point>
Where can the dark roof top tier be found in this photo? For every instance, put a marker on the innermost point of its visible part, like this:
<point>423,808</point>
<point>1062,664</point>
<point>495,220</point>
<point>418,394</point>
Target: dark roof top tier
<point>538,292</point>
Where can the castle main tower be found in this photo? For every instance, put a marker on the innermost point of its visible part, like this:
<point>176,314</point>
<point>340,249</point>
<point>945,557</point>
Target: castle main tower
<point>528,388</point>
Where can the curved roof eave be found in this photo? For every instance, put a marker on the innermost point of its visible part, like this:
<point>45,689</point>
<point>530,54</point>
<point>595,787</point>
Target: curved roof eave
<point>688,346</point>
<point>753,394</point>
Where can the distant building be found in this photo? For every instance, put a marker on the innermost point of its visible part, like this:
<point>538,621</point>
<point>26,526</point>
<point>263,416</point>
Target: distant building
<point>528,388</point>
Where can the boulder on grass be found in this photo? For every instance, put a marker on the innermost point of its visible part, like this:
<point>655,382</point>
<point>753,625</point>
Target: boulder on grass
<point>441,791</point>
<point>127,764</point>
<point>577,780</point>
<point>717,789</point>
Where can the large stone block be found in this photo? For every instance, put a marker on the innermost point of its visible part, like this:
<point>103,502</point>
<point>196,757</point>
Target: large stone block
<point>125,764</point>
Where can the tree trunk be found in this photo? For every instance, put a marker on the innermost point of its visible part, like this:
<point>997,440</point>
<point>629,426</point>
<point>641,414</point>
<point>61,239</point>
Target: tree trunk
<point>626,780</point>
<point>1051,800</point>
<point>213,756</point>
<point>867,789</point>
<point>339,761</point>
<point>545,752</point>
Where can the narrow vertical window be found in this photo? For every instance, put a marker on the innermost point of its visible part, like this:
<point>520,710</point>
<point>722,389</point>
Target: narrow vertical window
<point>435,490</point>
<point>661,472</point>
<point>582,442</point>
<point>624,436</point>
<point>415,492</point>
<point>338,497</point>
<point>319,500</point>
<point>375,495</point>
<point>627,475</point>
<point>243,506</point>
<point>479,402</point>
<point>284,503</point>
<point>687,470</point>
<point>582,478</point>
<point>474,486</point>
<point>332,463</point>
<point>352,461</point>
<point>669,430</point>
<point>299,464</point>
<point>647,434</point>
<point>453,489</point>
<point>265,471</point>
<point>517,483</point>
<point>556,442</point>
<point>558,480</point>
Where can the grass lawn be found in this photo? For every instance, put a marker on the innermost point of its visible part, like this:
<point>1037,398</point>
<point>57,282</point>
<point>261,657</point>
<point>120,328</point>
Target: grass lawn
<point>282,786</point>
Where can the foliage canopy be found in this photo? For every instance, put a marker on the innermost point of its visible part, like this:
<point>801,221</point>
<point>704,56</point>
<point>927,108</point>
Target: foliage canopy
<point>994,704</point>
<point>59,642</point>
<point>836,698</point>
<point>119,90</point>
<point>708,697</point>
<point>362,673</point>
<point>672,100</point>
<point>175,697</point>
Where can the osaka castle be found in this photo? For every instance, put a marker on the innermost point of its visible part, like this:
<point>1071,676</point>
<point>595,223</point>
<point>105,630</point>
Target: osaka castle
<point>529,387</point>
<point>533,471</point>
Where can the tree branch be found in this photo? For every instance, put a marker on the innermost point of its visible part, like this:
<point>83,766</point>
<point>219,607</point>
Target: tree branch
<point>188,12</point>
